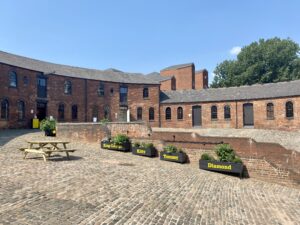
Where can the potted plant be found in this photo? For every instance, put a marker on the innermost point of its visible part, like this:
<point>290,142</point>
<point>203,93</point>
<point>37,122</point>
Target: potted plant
<point>173,154</point>
<point>120,142</point>
<point>48,126</point>
<point>144,149</point>
<point>227,161</point>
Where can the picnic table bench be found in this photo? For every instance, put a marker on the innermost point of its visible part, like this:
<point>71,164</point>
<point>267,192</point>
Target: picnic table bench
<point>46,148</point>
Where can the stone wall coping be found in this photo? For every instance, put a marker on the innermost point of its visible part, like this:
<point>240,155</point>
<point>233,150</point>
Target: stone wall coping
<point>98,123</point>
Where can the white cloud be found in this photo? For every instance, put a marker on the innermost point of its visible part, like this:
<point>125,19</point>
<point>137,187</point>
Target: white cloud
<point>235,50</point>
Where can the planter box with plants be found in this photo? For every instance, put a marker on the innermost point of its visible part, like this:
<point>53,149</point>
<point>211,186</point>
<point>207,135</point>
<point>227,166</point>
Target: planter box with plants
<point>173,154</point>
<point>227,161</point>
<point>120,143</point>
<point>48,126</point>
<point>144,149</point>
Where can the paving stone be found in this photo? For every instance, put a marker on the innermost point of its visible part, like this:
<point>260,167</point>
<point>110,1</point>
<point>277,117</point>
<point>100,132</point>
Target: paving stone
<point>95,187</point>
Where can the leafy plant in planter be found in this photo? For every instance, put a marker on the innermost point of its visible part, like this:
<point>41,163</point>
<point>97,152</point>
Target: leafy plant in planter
<point>173,154</point>
<point>144,149</point>
<point>120,142</point>
<point>227,160</point>
<point>48,126</point>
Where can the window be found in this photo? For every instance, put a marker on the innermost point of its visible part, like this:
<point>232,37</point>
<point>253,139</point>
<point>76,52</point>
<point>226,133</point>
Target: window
<point>101,89</point>
<point>289,110</point>
<point>21,110</point>
<point>168,113</point>
<point>151,113</point>
<point>12,79</point>
<point>111,91</point>
<point>179,113</point>
<point>25,80</point>
<point>270,111</point>
<point>4,109</point>
<point>123,95</point>
<point>173,84</point>
<point>146,93</point>
<point>106,112</point>
<point>227,114</point>
<point>74,112</point>
<point>41,86</point>
<point>95,112</point>
<point>214,112</point>
<point>68,87</point>
<point>139,113</point>
<point>61,111</point>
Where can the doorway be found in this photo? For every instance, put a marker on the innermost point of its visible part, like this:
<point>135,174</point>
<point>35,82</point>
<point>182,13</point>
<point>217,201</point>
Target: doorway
<point>41,110</point>
<point>248,116</point>
<point>197,116</point>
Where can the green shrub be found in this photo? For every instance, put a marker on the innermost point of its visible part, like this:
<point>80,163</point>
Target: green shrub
<point>237,160</point>
<point>148,145</point>
<point>224,152</point>
<point>206,156</point>
<point>48,124</point>
<point>104,121</point>
<point>120,139</point>
<point>136,144</point>
<point>172,149</point>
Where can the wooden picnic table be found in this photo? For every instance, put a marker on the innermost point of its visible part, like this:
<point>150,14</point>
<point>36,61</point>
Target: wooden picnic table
<point>46,148</point>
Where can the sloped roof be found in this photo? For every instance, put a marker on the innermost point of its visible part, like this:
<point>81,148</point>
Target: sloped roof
<point>177,66</point>
<point>258,91</point>
<point>111,75</point>
<point>157,77</point>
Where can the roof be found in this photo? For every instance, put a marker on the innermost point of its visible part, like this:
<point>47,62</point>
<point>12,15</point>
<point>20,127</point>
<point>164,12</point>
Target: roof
<point>111,75</point>
<point>178,66</point>
<point>257,91</point>
<point>157,77</point>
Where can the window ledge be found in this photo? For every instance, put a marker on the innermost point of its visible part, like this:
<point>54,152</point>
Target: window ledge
<point>289,118</point>
<point>180,119</point>
<point>271,118</point>
<point>227,119</point>
<point>146,98</point>
<point>214,119</point>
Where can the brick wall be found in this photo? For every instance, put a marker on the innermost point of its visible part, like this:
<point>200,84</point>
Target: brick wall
<point>185,77</point>
<point>84,95</point>
<point>201,79</point>
<point>280,122</point>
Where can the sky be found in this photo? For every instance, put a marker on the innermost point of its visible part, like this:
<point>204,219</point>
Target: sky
<point>139,35</point>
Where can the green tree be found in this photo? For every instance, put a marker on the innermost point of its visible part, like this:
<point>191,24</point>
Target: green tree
<point>265,61</point>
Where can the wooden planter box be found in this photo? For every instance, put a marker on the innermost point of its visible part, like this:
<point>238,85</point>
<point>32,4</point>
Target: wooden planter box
<point>111,146</point>
<point>173,157</point>
<point>150,152</point>
<point>228,167</point>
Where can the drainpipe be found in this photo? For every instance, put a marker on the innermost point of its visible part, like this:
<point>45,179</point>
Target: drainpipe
<point>85,99</point>
<point>236,115</point>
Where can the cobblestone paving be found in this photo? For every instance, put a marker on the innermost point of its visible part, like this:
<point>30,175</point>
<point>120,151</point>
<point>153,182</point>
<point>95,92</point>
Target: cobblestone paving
<point>107,187</point>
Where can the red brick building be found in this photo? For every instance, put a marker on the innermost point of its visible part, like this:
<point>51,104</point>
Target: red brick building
<point>178,96</point>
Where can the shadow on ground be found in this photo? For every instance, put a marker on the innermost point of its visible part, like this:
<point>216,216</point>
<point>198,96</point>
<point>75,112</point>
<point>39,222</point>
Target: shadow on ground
<point>9,134</point>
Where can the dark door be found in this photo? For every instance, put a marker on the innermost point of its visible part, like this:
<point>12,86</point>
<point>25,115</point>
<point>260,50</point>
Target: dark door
<point>41,110</point>
<point>248,114</point>
<point>197,116</point>
<point>42,87</point>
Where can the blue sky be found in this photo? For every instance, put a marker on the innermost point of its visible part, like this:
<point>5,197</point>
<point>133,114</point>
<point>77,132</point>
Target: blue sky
<point>142,36</point>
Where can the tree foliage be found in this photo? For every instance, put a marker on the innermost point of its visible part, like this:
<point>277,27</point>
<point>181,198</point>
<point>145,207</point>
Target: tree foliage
<point>265,61</point>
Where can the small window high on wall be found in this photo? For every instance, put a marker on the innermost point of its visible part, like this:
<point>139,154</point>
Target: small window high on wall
<point>289,109</point>
<point>214,112</point>
<point>168,113</point>
<point>179,113</point>
<point>270,111</point>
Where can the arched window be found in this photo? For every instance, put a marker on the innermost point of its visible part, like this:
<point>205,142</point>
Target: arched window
<point>13,79</point>
<point>179,113</point>
<point>227,114</point>
<point>61,111</point>
<point>214,112</point>
<point>74,112</point>
<point>4,109</point>
<point>139,113</point>
<point>289,110</point>
<point>270,111</point>
<point>106,112</point>
<point>151,113</point>
<point>168,113</point>
<point>25,80</point>
<point>68,87</point>
<point>101,89</point>
<point>145,92</point>
<point>21,110</point>
<point>95,112</point>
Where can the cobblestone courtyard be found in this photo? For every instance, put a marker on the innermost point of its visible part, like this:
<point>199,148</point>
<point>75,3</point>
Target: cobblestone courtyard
<point>106,187</point>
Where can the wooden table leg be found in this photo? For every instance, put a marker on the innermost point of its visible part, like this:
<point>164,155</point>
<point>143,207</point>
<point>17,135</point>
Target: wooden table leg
<point>44,156</point>
<point>68,155</point>
<point>25,154</point>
